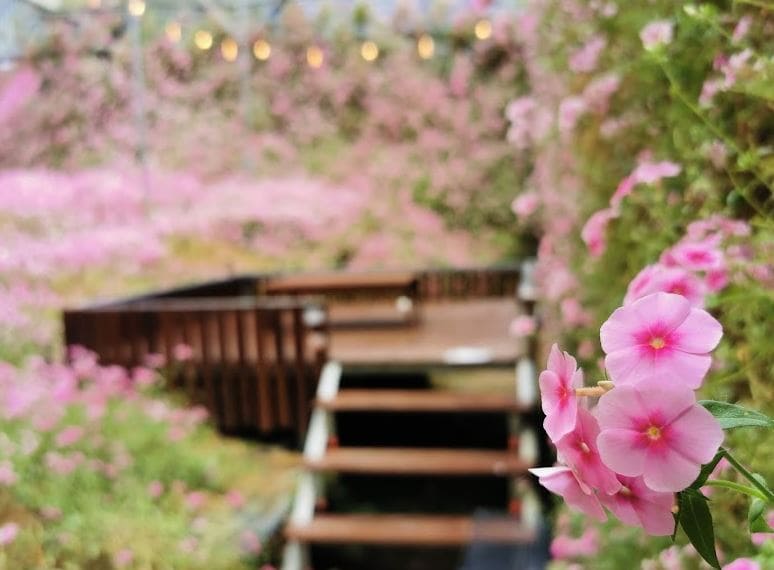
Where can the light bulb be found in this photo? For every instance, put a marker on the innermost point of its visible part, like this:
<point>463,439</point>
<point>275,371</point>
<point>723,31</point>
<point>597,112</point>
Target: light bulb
<point>203,39</point>
<point>425,46</point>
<point>314,57</point>
<point>483,29</point>
<point>229,49</point>
<point>261,50</point>
<point>369,51</point>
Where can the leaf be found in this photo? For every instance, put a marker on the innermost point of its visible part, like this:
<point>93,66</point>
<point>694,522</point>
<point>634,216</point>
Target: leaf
<point>755,517</point>
<point>732,416</point>
<point>696,520</point>
<point>706,470</point>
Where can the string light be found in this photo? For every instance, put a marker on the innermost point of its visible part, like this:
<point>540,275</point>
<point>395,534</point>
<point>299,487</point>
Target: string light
<point>173,31</point>
<point>369,51</point>
<point>203,39</point>
<point>136,8</point>
<point>425,46</point>
<point>483,29</point>
<point>261,50</point>
<point>314,57</point>
<point>229,49</point>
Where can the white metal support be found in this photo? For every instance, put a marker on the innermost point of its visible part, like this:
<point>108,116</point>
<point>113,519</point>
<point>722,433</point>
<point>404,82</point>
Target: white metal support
<point>296,554</point>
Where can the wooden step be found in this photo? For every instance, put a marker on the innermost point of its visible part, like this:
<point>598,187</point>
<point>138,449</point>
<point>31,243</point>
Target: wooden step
<point>366,400</point>
<point>418,461</point>
<point>409,530</point>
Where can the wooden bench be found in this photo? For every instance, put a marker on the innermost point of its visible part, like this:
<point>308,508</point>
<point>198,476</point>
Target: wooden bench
<point>254,364</point>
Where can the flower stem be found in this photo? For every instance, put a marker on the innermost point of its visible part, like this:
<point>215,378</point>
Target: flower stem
<point>735,487</point>
<point>768,496</point>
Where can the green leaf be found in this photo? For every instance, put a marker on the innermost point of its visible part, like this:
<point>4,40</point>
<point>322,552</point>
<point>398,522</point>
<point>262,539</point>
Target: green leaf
<point>706,470</point>
<point>755,517</point>
<point>732,416</point>
<point>696,520</point>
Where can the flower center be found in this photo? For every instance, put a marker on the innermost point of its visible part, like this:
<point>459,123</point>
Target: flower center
<point>585,448</point>
<point>625,491</point>
<point>657,342</point>
<point>653,433</point>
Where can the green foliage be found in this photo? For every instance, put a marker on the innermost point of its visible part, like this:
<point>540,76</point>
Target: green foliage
<point>695,519</point>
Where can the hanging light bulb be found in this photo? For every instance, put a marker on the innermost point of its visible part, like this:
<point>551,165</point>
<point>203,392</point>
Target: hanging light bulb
<point>483,29</point>
<point>314,56</point>
<point>173,31</point>
<point>203,39</point>
<point>369,51</point>
<point>261,50</point>
<point>136,8</point>
<point>425,46</point>
<point>229,49</point>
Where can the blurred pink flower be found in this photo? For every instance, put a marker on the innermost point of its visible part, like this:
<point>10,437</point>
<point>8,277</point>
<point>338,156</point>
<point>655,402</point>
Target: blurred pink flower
<point>155,489</point>
<point>743,564</point>
<point>182,352</point>
<point>525,204</point>
<point>123,558</point>
<point>696,256</point>
<point>565,547</point>
<point>69,436</point>
<point>195,500</point>
<point>657,278</point>
<point>758,538</point>
<point>659,339</point>
<point>250,542</point>
<point>657,33</point>
<point>8,533</point>
<point>665,440</point>
<point>8,476</point>
<point>585,59</point>
<point>523,325</point>
<point>593,232</point>
<point>235,499</point>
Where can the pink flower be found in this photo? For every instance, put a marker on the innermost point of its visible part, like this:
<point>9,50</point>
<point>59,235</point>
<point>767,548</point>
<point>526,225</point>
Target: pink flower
<point>557,393</point>
<point>758,538</point>
<point>578,449</point>
<point>250,542</point>
<point>69,436</point>
<point>8,476</point>
<point>524,205</point>
<point>155,489</point>
<point>657,33</point>
<point>637,505</point>
<point>661,339</point>
<point>657,278</point>
<point>625,187</point>
<point>663,435</point>
<point>8,533</point>
<point>523,325</point>
<point>195,500</point>
<point>696,256</point>
<point>123,558</point>
<point>564,547</point>
<point>182,352</point>
<point>743,564</point>
<point>563,482</point>
<point>571,109</point>
<point>585,59</point>
<point>593,233</point>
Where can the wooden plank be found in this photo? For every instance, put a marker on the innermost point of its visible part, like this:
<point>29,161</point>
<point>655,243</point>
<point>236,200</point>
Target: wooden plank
<point>246,399</point>
<point>281,385</point>
<point>210,389</point>
<point>303,396</point>
<point>481,324</point>
<point>339,282</point>
<point>226,385</point>
<point>417,461</point>
<point>419,401</point>
<point>409,530</point>
<point>266,408</point>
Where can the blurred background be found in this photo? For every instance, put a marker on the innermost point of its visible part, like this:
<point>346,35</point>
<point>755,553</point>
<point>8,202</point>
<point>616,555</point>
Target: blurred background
<point>149,144</point>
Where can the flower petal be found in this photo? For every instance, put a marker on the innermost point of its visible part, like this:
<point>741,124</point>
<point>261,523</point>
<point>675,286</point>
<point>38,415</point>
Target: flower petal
<point>619,330</point>
<point>628,366</point>
<point>562,481</point>
<point>668,470</point>
<point>679,369</point>
<point>621,408</point>
<point>697,435</point>
<point>662,311</point>
<point>699,333</point>
<point>620,450</point>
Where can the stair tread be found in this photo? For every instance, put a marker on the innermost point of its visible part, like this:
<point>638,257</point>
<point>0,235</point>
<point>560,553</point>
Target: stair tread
<point>387,400</point>
<point>418,530</point>
<point>419,461</point>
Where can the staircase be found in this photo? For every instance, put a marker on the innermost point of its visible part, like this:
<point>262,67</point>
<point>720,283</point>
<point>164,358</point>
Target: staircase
<point>401,474</point>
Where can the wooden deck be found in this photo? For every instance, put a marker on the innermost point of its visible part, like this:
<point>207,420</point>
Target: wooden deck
<point>457,332</point>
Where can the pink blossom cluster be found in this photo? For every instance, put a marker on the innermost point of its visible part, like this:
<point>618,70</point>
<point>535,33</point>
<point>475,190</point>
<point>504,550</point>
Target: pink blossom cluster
<point>648,437</point>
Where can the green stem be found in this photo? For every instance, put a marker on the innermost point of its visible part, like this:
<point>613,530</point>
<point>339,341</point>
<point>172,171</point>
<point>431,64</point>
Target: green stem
<point>757,3</point>
<point>768,496</point>
<point>735,487</point>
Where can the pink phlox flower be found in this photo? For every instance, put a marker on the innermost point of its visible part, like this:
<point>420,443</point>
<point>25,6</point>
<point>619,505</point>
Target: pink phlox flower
<point>649,172</point>
<point>523,325</point>
<point>578,449</point>
<point>717,279</point>
<point>235,499</point>
<point>636,504</point>
<point>155,489</point>
<point>657,33</point>
<point>562,481</point>
<point>8,533</point>
<point>657,278</point>
<point>571,109</point>
<point>524,205</point>
<point>663,436</point>
<point>565,547</point>
<point>593,232</point>
<point>659,339</point>
<point>182,352</point>
<point>742,28</point>
<point>250,542</point>
<point>69,436</point>
<point>695,256</point>
<point>557,393</point>
<point>8,475</point>
<point>585,59</point>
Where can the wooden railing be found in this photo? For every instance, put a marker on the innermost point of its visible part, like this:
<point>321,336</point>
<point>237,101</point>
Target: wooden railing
<point>253,363</point>
<point>440,284</point>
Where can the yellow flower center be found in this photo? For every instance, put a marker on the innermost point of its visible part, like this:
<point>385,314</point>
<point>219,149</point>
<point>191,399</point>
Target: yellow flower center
<point>625,491</point>
<point>653,433</point>
<point>657,342</point>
